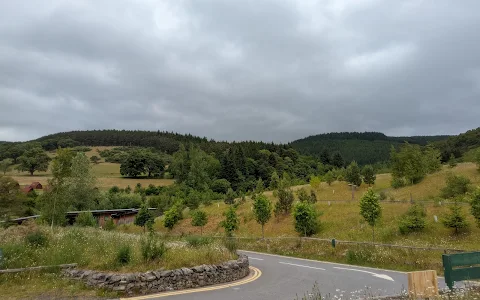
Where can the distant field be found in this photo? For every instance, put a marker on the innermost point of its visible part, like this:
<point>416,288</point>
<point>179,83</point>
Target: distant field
<point>108,174</point>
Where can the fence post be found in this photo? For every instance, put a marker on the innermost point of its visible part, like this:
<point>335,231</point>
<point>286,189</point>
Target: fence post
<point>334,243</point>
<point>447,269</point>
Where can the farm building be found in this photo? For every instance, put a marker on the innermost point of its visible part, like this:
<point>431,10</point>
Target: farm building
<point>119,216</point>
<point>31,187</point>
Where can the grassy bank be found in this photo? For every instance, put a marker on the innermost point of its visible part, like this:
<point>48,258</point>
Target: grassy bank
<point>27,246</point>
<point>47,285</point>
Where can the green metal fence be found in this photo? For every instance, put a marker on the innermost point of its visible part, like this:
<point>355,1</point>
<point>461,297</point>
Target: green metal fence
<point>461,266</point>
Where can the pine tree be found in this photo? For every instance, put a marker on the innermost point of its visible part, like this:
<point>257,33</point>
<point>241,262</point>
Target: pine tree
<point>455,219</point>
<point>353,174</point>
<point>475,205</point>
<point>325,157</point>
<point>337,160</point>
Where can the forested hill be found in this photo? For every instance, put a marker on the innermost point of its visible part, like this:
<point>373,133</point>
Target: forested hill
<point>363,147</point>
<point>458,145</point>
<point>167,142</point>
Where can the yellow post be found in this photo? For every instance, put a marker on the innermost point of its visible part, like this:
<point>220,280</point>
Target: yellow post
<point>423,284</point>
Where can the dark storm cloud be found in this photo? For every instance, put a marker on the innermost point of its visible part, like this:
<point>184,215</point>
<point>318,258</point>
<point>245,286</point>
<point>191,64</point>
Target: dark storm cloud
<point>270,70</point>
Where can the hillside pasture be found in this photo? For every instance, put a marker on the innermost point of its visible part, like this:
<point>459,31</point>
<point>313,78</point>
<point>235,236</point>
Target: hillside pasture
<point>108,174</point>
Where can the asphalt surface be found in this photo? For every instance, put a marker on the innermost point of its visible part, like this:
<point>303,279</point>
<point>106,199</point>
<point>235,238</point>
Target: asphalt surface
<point>285,278</point>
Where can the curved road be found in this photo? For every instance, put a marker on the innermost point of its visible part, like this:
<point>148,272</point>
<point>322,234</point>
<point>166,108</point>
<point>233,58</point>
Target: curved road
<point>286,277</point>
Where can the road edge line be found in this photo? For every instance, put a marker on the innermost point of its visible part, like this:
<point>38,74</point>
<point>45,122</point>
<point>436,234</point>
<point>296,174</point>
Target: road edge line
<point>322,261</point>
<point>256,274</point>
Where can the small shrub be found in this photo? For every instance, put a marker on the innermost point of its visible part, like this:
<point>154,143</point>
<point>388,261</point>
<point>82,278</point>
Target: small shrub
<point>413,219</point>
<point>382,195</point>
<point>124,255</point>
<point>152,248</point>
<point>36,239</point>
<point>398,182</point>
<point>455,219</point>
<point>456,185</point>
<point>86,219</point>
<point>197,241</point>
<point>109,225</point>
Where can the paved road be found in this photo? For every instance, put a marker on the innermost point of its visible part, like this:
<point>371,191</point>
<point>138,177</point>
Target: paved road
<point>285,277</point>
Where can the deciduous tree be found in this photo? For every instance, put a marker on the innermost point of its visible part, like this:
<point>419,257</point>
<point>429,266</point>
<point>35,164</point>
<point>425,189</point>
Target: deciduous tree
<point>171,217</point>
<point>199,219</point>
<point>230,223</point>
<point>369,176</point>
<point>370,209</point>
<point>329,177</point>
<point>6,165</point>
<point>262,208</point>
<point>34,159</point>
<point>305,216</point>
<point>11,199</point>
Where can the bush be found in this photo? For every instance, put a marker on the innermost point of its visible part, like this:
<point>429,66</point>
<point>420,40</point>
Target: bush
<point>229,197</point>
<point>151,190</point>
<point>86,219</point>
<point>109,225</point>
<point>457,185</point>
<point>36,239</point>
<point>413,219</point>
<point>124,255</point>
<point>398,182</point>
<point>220,186</point>
<point>152,248</point>
<point>382,195</point>
<point>305,217</point>
<point>197,241</point>
<point>171,217</point>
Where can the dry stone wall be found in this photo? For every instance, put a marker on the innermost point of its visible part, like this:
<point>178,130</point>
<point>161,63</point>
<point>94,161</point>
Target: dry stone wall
<point>160,281</point>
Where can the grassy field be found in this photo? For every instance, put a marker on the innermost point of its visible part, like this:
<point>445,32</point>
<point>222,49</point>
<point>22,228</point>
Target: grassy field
<point>108,174</point>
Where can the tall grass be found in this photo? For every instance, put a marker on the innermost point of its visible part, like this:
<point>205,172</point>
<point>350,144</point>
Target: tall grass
<point>97,249</point>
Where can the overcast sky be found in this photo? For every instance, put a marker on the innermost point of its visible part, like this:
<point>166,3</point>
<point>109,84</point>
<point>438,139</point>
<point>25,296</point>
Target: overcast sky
<point>272,70</point>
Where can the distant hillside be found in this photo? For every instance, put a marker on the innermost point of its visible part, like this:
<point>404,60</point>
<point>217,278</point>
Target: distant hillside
<point>363,147</point>
<point>460,144</point>
<point>168,142</point>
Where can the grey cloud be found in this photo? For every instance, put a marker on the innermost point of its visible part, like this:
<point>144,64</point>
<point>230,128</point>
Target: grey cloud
<point>264,70</point>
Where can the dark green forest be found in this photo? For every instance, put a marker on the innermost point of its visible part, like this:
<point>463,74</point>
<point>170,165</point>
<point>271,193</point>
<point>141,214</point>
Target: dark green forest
<point>363,147</point>
<point>458,144</point>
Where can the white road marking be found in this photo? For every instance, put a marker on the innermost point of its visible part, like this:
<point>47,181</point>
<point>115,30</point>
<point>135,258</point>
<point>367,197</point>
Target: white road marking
<point>285,263</point>
<point>383,276</point>
<point>254,258</point>
<point>319,261</point>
